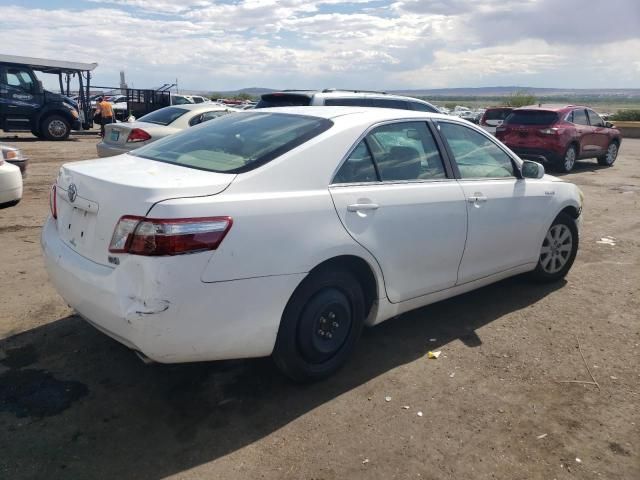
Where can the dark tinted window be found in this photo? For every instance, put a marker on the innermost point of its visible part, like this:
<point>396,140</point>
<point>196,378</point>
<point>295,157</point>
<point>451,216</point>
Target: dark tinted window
<point>235,143</point>
<point>531,117</point>
<point>497,113</point>
<point>389,103</point>
<point>207,116</point>
<point>422,107</point>
<point>164,116</point>
<point>348,102</point>
<point>475,154</point>
<point>580,117</point>
<point>358,167</point>
<point>405,151</point>
<point>198,99</point>
<point>595,119</point>
<point>283,100</point>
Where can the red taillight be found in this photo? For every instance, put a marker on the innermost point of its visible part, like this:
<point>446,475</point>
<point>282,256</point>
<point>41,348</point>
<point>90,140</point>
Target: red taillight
<point>53,201</point>
<point>154,236</point>
<point>138,135</point>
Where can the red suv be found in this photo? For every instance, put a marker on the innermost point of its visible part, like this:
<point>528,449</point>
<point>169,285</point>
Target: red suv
<point>560,135</point>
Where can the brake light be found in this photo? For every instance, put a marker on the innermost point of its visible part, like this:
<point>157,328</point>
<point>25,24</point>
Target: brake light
<point>138,135</point>
<point>155,237</point>
<point>53,201</point>
<point>551,131</point>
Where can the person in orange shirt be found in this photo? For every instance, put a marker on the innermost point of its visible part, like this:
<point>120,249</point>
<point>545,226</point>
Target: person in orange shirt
<point>105,109</point>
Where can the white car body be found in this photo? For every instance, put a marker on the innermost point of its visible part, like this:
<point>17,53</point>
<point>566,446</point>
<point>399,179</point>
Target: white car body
<point>422,241</point>
<point>10,184</point>
<point>116,137</point>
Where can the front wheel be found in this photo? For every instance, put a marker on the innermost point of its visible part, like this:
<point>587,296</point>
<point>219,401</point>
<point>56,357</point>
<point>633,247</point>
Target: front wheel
<point>569,160</point>
<point>320,325</point>
<point>558,251</point>
<point>609,158</point>
<point>55,127</point>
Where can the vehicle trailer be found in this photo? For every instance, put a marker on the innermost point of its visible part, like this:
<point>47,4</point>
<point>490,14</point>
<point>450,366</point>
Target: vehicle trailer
<point>26,106</point>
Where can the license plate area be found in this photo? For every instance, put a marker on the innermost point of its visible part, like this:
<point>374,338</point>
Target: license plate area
<point>76,228</point>
<point>115,135</point>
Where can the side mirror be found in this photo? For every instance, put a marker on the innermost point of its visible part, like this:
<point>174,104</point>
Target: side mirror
<point>532,169</point>
<point>39,87</point>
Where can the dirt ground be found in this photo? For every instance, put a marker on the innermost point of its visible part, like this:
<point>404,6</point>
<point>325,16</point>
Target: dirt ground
<point>75,404</point>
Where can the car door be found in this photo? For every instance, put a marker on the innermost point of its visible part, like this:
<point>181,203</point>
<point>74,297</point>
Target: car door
<point>23,98</point>
<point>584,131</point>
<point>599,135</point>
<point>395,198</point>
<point>505,213</point>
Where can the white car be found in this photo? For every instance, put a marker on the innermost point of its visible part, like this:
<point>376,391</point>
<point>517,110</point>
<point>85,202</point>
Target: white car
<point>284,231</point>
<point>123,137</point>
<point>10,176</point>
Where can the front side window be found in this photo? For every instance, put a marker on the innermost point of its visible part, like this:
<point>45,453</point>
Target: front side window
<point>20,79</point>
<point>594,119</point>
<point>580,117</point>
<point>235,143</point>
<point>475,154</point>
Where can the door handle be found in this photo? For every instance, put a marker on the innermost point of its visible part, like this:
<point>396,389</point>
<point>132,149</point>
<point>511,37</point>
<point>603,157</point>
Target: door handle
<point>355,207</point>
<point>477,198</point>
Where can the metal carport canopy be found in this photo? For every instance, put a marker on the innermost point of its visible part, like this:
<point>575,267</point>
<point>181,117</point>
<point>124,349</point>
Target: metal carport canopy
<point>48,66</point>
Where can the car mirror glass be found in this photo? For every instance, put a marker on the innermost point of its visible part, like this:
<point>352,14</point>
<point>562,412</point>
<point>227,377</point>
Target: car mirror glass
<point>532,169</point>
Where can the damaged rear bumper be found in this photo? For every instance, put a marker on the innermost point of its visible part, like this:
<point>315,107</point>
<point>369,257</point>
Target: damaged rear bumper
<point>169,314</point>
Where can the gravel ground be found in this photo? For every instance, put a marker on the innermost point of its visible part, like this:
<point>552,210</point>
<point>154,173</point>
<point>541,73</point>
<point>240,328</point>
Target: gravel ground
<point>75,404</point>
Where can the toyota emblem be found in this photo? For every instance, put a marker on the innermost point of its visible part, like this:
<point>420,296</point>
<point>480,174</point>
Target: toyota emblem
<point>72,192</point>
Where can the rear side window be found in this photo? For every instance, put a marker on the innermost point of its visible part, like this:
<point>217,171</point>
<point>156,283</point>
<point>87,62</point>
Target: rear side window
<point>283,100</point>
<point>358,168</point>
<point>206,116</point>
<point>422,107</point>
<point>389,103</point>
<point>164,116</point>
<point>347,102</point>
<point>476,155</point>
<point>580,117</point>
<point>531,117</point>
<point>235,143</point>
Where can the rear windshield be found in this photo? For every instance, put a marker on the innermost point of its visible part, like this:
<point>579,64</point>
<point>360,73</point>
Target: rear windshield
<point>497,113</point>
<point>531,117</point>
<point>164,116</point>
<point>283,100</point>
<point>235,143</point>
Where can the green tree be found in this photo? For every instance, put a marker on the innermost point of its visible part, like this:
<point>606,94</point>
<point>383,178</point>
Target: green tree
<point>520,99</point>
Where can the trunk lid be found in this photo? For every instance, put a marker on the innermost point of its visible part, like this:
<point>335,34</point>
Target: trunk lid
<point>522,127</point>
<point>92,195</point>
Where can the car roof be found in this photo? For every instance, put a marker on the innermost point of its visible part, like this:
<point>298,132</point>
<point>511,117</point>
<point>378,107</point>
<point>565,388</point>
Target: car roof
<point>550,107</point>
<point>335,92</point>
<point>205,107</point>
<point>373,114</point>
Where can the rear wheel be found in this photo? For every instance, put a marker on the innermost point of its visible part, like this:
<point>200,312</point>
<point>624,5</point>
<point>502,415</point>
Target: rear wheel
<point>609,158</point>
<point>558,251</point>
<point>320,325</point>
<point>569,160</point>
<point>55,127</point>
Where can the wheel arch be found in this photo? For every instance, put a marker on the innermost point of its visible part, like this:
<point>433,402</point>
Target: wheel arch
<point>362,270</point>
<point>570,210</point>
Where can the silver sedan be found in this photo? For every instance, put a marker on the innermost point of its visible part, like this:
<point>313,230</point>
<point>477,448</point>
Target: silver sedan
<point>123,137</point>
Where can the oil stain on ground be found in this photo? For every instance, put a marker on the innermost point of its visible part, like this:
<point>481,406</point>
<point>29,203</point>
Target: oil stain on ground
<point>37,393</point>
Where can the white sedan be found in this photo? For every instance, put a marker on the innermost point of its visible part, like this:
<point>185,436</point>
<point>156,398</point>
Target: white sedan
<point>11,175</point>
<point>285,231</point>
<point>123,137</point>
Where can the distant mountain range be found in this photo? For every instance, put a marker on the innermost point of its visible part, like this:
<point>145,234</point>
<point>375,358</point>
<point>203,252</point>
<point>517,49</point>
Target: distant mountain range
<point>479,92</point>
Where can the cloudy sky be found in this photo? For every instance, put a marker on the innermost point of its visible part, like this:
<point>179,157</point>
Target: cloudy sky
<point>378,44</point>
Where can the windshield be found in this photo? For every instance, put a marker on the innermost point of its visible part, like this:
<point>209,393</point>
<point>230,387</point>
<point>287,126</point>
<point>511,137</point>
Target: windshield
<point>164,116</point>
<point>531,117</point>
<point>235,143</point>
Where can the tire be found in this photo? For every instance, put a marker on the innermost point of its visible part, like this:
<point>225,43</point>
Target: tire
<point>609,158</point>
<point>55,127</point>
<point>568,161</point>
<point>558,250</point>
<point>320,325</point>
